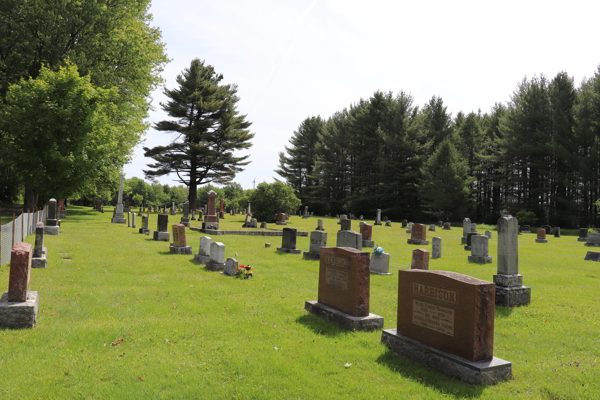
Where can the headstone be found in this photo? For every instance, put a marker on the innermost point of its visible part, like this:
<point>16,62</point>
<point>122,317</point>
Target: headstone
<point>420,259</point>
<point>404,223</point>
<point>418,235</point>
<point>409,227</point>
<point>446,321</point>
<point>173,209</point>
<point>583,232</point>
<point>40,253</point>
<point>344,285</point>
<point>526,229</point>
<point>488,234</point>
<point>345,225</point>
<point>320,224</point>
<point>231,267</point>
<point>318,239</point>
<point>249,209</point>
<point>469,240</point>
<point>222,209</point>
<point>306,215</point>
<point>203,256</point>
<point>349,239</point>
<point>378,219</point>
<point>366,231</point>
<point>162,224</point>
<point>281,220</point>
<point>144,229</point>
<point>436,247</point>
<point>267,245</point>
<point>264,225</point>
<point>128,219</point>
<point>592,256</point>
<point>179,245</point>
<point>288,241</point>
<point>440,223</point>
<point>133,217</point>
<point>479,250</point>
<point>541,236</point>
<point>217,257</point>
<point>447,226</point>
<point>119,218</point>
<point>466,230</point>
<point>210,219</point>
<point>510,291</point>
<point>185,218</point>
<point>388,223</point>
<point>61,207</point>
<point>52,227</point>
<point>19,306</point>
<point>432,228</point>
<point>593,240</point>
<point>380,264</point>
<point>548,229</point>
<point>557,232</point>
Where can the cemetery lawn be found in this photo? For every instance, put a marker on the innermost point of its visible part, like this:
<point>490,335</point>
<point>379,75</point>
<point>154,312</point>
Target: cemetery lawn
<point>122,318</point>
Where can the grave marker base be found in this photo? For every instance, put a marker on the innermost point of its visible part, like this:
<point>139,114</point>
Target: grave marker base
<point>468,248</point>
<point>541,240</point>
<point>39,262</point>
<point>290,251</point>
<point>463,240</point>
<point>201,258</point>
<point>161,236</point>
<point>51,230</point>
<point>417,241</point>
<point>368,243</point>
<point>19,315</point>
<point>144,231</point>
<point>215,266</point>
<point>380,273</point>
<point>592,244</point>
<point>308,255</point>
<point>582,239</point>
<point>480,259</point>
<point>474,372</point>
<point>514,296</point>
<point>371,322</point>
<point>180,249</point>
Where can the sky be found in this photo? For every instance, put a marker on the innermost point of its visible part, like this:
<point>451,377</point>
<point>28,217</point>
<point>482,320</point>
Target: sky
<point>295,59</point>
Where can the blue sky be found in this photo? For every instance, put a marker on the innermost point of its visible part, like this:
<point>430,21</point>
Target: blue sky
<point>299,58</point>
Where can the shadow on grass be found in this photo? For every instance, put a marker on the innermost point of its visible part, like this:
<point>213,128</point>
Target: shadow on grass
<point>428,377</point>
<point>320,326</point>
<point>503,312</point>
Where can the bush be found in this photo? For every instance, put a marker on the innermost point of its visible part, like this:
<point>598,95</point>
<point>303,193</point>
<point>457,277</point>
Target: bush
<point>526,217</point>
<point>271,198</point>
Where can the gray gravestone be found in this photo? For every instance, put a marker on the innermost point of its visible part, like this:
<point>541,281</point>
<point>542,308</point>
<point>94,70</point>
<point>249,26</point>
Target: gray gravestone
<point>469,238</point>
<point>380,264</point>
<point>39,258</point>
<point>432,228</point>
<point>119,217</point>
<point>436,247</point>
<point>488,234</point>
<point>349,239</point>
<point>144,229</point>
<point>52,225</point>
<point>185,219</point>
<point>466,230</point>
<point>593,240</point>
<point>230,268</point>
<point>162,225</point>
<point>133,217</point>
<point>288,241</point>
<point>592,256</point>
<point>583,232</point>
<point>318,239</point>
<point>203,256</point>
<point>320,224</point>
<point>345,224</point>
<point>217,257</point>
<point>378,219</point>
<point>557,231</point>
<point>479,250</point>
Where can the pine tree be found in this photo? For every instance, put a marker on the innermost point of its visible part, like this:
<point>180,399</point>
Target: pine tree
<point>209,130</point>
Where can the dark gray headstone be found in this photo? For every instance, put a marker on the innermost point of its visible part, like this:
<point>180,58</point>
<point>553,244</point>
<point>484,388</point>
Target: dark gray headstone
<point>592,256</point>
<point>162,223</point>
<point>288,240</point>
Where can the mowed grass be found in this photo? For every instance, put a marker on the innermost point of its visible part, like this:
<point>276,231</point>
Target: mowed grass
<point>124,319</point>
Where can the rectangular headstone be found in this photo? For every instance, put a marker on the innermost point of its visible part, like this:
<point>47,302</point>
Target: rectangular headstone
<point>593,239</point>
<point>217,252</point>
<point>380,263</point>
<point>479,250</point>
<point>39,240</point>
<point>288,239</point>
<point>345,224</point>
<point>162,223</point>
<point>349,239</point>
<point>318,239</point>
<point>366,231</point>
<point>436,247</point>
<point>178,235</point>
<point>231,266</point>
<point>420,259</point>
<point>20,272</point>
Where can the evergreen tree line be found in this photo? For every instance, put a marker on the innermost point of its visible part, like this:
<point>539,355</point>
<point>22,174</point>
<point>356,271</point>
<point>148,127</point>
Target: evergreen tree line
<point>538,155</point>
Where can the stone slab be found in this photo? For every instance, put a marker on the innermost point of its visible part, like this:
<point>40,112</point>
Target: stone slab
<point>370,322</point>
<point>161,236</point>
<point>215,266</point>
<point>118,220</point>
<point>309,255</point>
<point>144,231</point>
<point>53,230</point>
<point>588,244</point>
<point>180,249</point>
<point>274,232</point>
<point>39,262</point>
<point>19,315</point>
<point>515,296</point>
<point>541,240</point>
<point>508,280</point>
<point>592,256</point>
<point>483,373</point>
<point>480,259</point>
<point>417,241</point>
<point>290,251</point>
<point>202,259</point>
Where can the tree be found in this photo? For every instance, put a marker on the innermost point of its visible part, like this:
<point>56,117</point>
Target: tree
<point>445,186</point>
<point>209,129</point>
<point>271,198</point>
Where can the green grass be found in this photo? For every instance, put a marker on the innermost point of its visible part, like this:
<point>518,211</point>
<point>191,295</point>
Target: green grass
<point>124,319</point>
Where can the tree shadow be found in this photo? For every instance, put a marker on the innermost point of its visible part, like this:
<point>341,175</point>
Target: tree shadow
<point>320,326</point>
<point>428,377</point>
<point>503,312</point>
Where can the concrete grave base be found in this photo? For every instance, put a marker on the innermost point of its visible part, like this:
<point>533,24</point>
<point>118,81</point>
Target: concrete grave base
<point>483,373</point>
<point>180,249</point>
<point>39,262</point>
<point>417,241</point>
<point>51,230</point>
<point>118,220</point>
<point>280,223</point>
<point>144,231</point>
<point>210,225</point>
<point>468,248</point>
<point>370,323</point>
<point>508,280</point>
<point>447,229</point>
<point>290,251</point>
<point>377,223</point>
<point>582,239</point>
<point>592,244</point>
<point>514,296</point>
<point>480,259</point>
<point>541,240</point>
<point>380,273</point>
<point>202,259</point>
<point>19,315</point>
<point>215,266</point>
<point>368,243</point>
<point>308,255</point>
<point>161,236</point>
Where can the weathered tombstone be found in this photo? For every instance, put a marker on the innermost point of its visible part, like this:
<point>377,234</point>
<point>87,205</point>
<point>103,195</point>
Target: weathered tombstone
<point>179,245</point>
<point>380,263</point>
<point>447,226</point>
<point>253,223</point>
<point>281,219</point>
<point>52,227</point>
<point>366,231</point>
<point>133,217</point>
<point>344,286</point>
<point>466,230</point>
<point>345,224</point>
<point>469,240</point>
<point>185,218</point>
<point>404,223</point>
<point>446,321</point>
<point>231,267</point>
<point>593,240</point>
<point>510,291</point>
<point>264,225</point>
<point>144,229</point>
<point>488,234</point>
<point>162,224</point>
<point>128,219</point>
<point>210,219</point>
<point>217,257</point>
<point>288,241</point>
<point>592,256</point>
<point>173,208</point>
<point>409,227</point>
<point>320,224</point>
<point>318,239</point>
<point>541,236</point>
<point>583,232</point>
<point>61,207</point>
<point>436,247</point>
<point>378,219</point>
<point>19,305</point>
<point>119,218</point>
<point>40,253</point>
<point>420,259</point>
<point>418,235</point>
<point>203,256</point>
<point>440,223</point>
<point>479,250</point>
<point>222,209</point>
<point>306,215</point>
<point>349,239</point>
<point>432,228</point>
<point>557,232</point>
<point>388,223</point>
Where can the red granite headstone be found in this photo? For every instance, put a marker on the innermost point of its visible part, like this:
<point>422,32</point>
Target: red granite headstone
<point>418,232</point>
<point>420,259</point>
<point>366,231</point>
<point>178,235</point>
<point>344,280</point>
<point>449,311</point>
<point>211,214</point>
<point>20,272</point>
<point>61,205</point>
<point>541,233</point>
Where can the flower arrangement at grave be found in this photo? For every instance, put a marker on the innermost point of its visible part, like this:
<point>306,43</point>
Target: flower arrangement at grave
<point>244,272</point>
<point>378,250</point>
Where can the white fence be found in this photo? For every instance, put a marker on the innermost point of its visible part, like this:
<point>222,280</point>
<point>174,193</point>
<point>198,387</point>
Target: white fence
<point>21,227</point>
